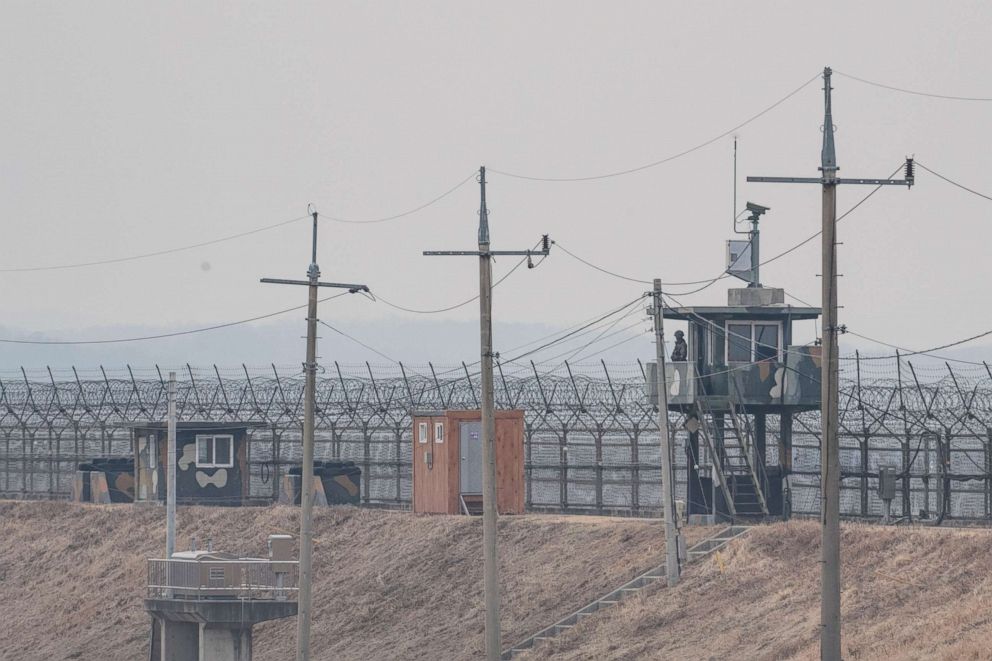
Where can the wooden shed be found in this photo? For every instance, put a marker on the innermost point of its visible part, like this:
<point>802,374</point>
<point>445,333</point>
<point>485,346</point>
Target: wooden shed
<point>448,462</point>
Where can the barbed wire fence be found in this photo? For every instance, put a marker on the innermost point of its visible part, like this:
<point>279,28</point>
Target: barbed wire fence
<point>591,438</point>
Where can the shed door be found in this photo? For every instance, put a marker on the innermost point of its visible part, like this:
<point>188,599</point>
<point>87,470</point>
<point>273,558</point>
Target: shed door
<point>470,446</point>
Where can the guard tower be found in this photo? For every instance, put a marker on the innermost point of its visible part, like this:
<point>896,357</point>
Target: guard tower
<point>740,368</point>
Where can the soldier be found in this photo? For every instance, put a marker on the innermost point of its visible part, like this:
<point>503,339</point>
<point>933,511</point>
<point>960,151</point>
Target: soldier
<point>681,351</point>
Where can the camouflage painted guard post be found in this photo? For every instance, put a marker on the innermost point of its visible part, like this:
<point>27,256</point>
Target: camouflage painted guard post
<point>740,366</point>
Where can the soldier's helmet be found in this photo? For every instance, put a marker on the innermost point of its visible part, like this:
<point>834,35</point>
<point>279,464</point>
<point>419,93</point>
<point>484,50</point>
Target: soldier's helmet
<point>679,333</point>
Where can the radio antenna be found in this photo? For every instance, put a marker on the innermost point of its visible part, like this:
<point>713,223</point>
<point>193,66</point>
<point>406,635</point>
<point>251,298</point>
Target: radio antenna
<point>734,210</point>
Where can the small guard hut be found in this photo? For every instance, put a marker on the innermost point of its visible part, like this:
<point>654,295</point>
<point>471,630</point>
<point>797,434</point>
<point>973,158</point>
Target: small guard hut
<point>448,462</point>
<point>212,460</point>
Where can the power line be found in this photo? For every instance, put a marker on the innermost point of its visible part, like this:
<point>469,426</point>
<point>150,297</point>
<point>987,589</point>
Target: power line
<point>954,183</point>
<point>570,334</point>
<point>456,305</point>
<point>598,268</point>
<point>711,281</point>
<point>359,342</point>
<point>405,213</point>
<point>667,158</point>
<point>165,335</point>
<point>231,237</point>
<point>469,375</point>
<point>924,352</point>
<point>156,253</point>
<point>914,92</point>
<point>578,354</point>
<point>603,334</point>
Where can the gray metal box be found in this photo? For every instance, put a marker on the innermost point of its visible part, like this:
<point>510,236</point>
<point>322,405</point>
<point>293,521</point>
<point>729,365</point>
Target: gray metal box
<point>887,483</point>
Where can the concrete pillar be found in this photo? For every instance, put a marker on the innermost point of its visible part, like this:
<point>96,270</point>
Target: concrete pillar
<point>760,449</point>
<point>696,497</point>
<point>180,640</point>
<point>785,459</point>
<point>224,643</point>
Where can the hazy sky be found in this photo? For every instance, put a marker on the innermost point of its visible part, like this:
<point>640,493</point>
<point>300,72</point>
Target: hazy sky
<point>135,127</point>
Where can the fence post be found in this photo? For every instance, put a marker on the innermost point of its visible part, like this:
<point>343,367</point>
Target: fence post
<point>988,472</point>
<point>599,467</point>
<point>563,468</point>
<point>399,464</point>
<point>635,469</point>
<point>528,470</point>
<point>366,461</point>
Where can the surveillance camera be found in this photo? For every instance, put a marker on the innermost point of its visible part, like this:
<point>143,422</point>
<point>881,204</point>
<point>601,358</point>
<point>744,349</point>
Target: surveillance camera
<point>756,208</point>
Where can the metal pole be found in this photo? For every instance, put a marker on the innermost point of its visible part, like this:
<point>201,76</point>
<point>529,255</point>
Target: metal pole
<point>306,488</point>
<point>170,467</point>
<point>667,470</point>
<point>755,251</point>
<point>489,510</point>
<point>830,637</point>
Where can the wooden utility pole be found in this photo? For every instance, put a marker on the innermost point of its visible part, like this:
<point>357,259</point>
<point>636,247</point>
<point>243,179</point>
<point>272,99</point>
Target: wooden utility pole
<point>170,467</point>
<point>489,503</point>
<point>830,647</point>
<point>306,486</point>
<point>830,629</point>
<point>672,569</point>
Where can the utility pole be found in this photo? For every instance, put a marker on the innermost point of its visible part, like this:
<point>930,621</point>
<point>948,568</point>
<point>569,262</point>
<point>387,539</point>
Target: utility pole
<point>830,639</point>
<point>489,513</point>
<point>306,487</point>
<point>672,569</point>
<point>170,467</point>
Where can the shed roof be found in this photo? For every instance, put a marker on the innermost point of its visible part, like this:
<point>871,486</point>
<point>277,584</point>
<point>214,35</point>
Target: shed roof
<point>203,425</point>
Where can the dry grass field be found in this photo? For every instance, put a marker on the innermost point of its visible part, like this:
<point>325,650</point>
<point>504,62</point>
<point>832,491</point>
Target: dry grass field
<point>388,585</point>
<point>908,593</point>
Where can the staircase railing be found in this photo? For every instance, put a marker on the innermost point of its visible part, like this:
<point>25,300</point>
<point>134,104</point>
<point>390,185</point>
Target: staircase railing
<point>744,434</point>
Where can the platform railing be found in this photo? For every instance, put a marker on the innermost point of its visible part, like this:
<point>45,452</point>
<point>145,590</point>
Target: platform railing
<point>241,579</point>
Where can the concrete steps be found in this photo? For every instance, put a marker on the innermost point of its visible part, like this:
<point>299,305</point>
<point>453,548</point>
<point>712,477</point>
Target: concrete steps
<point>471,504</point>
<point>625,591</point>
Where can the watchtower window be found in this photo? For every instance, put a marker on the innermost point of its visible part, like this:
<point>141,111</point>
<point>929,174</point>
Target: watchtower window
<point>749,342</point>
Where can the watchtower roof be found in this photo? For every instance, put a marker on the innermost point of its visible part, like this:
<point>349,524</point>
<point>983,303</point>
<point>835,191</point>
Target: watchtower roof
<point>733,312</point>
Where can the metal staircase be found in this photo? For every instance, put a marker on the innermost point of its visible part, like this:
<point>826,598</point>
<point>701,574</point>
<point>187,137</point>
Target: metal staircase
<point>696,552</point>
<point>729,441</point>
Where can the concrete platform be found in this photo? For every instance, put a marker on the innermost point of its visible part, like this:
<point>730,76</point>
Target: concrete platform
<point>220,612</point>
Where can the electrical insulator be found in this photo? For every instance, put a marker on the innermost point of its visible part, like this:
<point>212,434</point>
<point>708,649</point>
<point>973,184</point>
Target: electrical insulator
<point>545,244</point>
<point>909,170</point>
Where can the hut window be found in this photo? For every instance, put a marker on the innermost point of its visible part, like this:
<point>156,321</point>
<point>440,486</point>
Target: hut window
<point>439,432</point>
<point>215,451</point>
<point>422,434</point>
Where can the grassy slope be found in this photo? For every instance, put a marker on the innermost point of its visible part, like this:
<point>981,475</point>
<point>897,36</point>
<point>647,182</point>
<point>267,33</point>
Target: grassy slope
<point>908,594</point>
<point>388,585</point>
